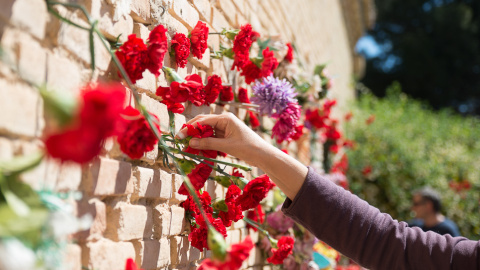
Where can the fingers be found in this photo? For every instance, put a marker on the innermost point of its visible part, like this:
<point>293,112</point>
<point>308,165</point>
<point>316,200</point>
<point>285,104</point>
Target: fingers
<point>210,143</point>
<point>214,120</point>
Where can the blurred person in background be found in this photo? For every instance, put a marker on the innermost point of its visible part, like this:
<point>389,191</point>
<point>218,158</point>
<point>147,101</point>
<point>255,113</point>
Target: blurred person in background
<point>427,206</point>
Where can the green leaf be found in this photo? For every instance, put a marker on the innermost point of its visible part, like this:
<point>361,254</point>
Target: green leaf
<point>59,105</point>
<point>221,206</point>
<point>21,164</point>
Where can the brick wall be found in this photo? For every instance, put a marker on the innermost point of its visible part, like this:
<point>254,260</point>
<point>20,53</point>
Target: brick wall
<point>135,204</point>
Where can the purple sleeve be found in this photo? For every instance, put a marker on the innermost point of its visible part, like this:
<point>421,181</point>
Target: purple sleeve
<point>371,238</point>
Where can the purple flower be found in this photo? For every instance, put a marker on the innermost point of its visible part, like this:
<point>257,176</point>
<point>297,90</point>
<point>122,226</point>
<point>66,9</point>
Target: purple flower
<point>278,221</point>
<point>287,121</point>
<point>273,95</point>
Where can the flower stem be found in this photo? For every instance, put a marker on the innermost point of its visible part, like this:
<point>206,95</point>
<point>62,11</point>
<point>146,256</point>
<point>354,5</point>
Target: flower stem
<point>245,168</point>
<point>254,224</point>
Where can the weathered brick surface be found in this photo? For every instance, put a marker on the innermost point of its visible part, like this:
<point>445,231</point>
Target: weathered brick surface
<point>108,255</point>
<point>153,183</point>
<point>162,218</point>
<point>129,222</point>
<point>153,253</point>
<point>184,12</point>
<point>98,211</point>
<point>177,224</point>
<point>109,177</point>
<point>28,14</point>
<point>21,112</point>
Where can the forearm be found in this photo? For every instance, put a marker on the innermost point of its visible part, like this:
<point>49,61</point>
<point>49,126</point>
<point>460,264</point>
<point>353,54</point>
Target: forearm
<point>370,237</point>
<point>287,172</point>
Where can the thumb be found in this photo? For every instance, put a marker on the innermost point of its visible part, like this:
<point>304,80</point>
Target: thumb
<point>209,143</point>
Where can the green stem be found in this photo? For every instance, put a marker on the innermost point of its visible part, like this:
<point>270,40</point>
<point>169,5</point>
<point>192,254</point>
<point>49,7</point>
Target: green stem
<point>58,16</point>
<point>245,168</point>
<point>258,227</point>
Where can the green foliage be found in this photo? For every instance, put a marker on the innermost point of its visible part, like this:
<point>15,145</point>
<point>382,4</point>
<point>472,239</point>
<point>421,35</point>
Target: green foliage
<point>409,146</point>
<point>431,48</point>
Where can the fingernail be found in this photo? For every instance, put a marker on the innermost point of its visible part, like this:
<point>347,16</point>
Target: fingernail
<point>194,142</point>
<point>180,135</point>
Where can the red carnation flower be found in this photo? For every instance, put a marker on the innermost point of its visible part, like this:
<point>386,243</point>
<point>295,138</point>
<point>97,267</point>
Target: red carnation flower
<point>243,95</point>
<point>257,215</point>
<point>198,176</point>
<point>298,133</point>
<point>226,94</point>
<point>98,117</point>
<point>340,166</point>
<point>327,106</point>
<point>236,173</point>
<point>131,265</point>
<point>79,145</point>
<point>367,170</point>
<point>190,89</point>
<point>370,119</point>
<point>316,118</point>
<point>157,48</point>
<point>289,56</point>
<point>135,136</point>
<point>181,47</point>
<point>234,259</point>
<point>334,148</point>
<point>254,192</point>
<point>198,38</point>
<point>285,247</point>
<point>332,133</point>
<point>241,45</point>
<point>212,89</point>
<point>251,72</point>
<point>253,119</point>
<point>348,116</point>
<point>269,63</point>
<point>234,212</point>
<point>198,235</point>
<point>192,209</point>
<point>133,56</point>
<point>195,86</point>
<point>201,131</point>
<point>102,105</point>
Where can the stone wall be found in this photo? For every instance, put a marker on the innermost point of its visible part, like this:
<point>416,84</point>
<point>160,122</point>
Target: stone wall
<point>135,204</point>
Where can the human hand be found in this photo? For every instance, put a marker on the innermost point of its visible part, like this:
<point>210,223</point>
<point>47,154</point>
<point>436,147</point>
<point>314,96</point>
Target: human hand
<point>232,136</point>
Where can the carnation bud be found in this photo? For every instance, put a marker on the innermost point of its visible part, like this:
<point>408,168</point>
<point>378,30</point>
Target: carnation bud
<point>59,105</point>
<point>230,34</point>
<point>240,182</point>
<point>186,165</point>
<point>221,206</point>
<point>257,61</point>
<point>217,244</point>
<point>171,75</point>
<point>223,180</point>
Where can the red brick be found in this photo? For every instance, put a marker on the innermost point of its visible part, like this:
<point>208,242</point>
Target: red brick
<point>203,63</point>
<point>153,253</point>
<point>204,9</point>
<point>69,177</point>
<point>181,252</point>
<point>21,112</point>
<point>97,210</point>
<point>75,40</point>
<point>219,21</point>
<point>185,13</point>
<point>31,15</point>
<point>153,183</point>
<point>141,11</point>
<point>109,255</point>
<point>215,189</point>
<point>63,74</point>
<point>128,222</point>
<point>72,257</point>
<point>109,177</point>
<point>229,10</point>
<point>177,182</point>
<point>162,217</point>
<point>177,225</point>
